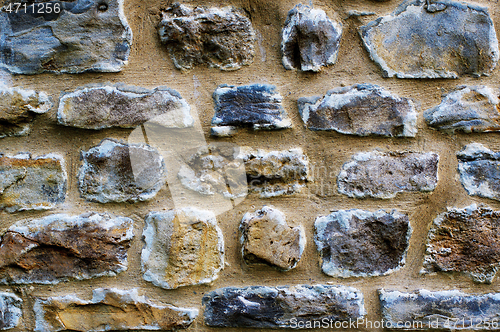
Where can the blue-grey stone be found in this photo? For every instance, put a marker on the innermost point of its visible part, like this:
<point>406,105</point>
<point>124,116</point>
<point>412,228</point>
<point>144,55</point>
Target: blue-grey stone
<point>445,40</point>
<point>77,36</point>
<point>10,310</point>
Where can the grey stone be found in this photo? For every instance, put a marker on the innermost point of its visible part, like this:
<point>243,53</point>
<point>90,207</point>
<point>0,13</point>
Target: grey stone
<point>76,36</point>
<point>384,174</point>
<point>257,106</point>
<point>217,37</point>
<point>10,310</point>
<point>281,307</point>
<point>442,310</point>
<point>18,107</point>
<point>123,106</point>
<point>359,243</point>
<point>362,109</point>
<point>61,247</point>
<point>28,183</point>
<point>267,238</point>
<point>309,40</point>
<point>444,40</point>
<point>119,172</point>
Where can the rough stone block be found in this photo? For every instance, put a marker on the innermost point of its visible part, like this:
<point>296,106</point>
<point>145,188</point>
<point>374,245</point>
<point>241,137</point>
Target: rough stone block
<point>362,109</point>
<point>10,310</point>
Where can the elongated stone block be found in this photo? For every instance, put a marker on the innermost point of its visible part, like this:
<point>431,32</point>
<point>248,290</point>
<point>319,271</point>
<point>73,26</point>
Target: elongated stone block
<point>447,39</point>
<point>281,307</point>
<point>362,109</point>
<point>217,37</point>
<point>64,36</point>
<point>183,247</point>
<point>123,106</point>
<point>359,243</point>
<point>61,247</point>
<point>10,310</point>
<point>110,309</point>
<point>384,174</point>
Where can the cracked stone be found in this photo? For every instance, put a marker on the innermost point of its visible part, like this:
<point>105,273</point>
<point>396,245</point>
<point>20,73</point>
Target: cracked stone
<point>68,37</point>
<point>446,40</point>
<point>359,243</point>
<point>119,172</point>
<point>267,238</point>
<point>279,307</point>
<point>123,106</point>
<point>183,247</point>
<point>362,109</point>
<point>110,309</point>
<point>309,40</point>
<point>10,310</point>
<point>217,37</point>
<point>61,247</point>
<point>28,183</point>
<point>257,106</point>
<point>384,174</point>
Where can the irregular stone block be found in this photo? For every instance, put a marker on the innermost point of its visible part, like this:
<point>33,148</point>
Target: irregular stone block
<point>309,40</point>
<point>384,174</point>
<point>64,37</point>
<point>18,108</point>
<point>362,109</point>
<point>123,106</point>
<point>445,40</point>
<point>267,238</point>
<point>359,243</point>
<point>119,172</point>
<point>183,247</point>
<point>10,310</point>
<point>61,247</point>
<point>281,307</point>
<point>257,106</point>
<point>110,309</point>
<point>217,37</point>
<point>443,310</point>
<point>28,183</point>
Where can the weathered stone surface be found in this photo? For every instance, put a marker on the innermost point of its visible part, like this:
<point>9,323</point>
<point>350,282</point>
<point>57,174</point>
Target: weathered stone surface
<point>28,183</point>
<point>309,40</point>
<point>183,247</point>
<point>362,109</point>
<point>359,243</point>
<point>467,109</point>
<point>119,172</point>
<point>281,307</point>
<point>123,106</point>
<point>257,106</point>
<point>384,174</point>
<point>61,247</point>
<point>218,37</point>
<point>110,309</point>
<point>444,310</point>
<point>70,37</point>
<point>10,310</point>
<point>267,238</point>
<point>445,40</point>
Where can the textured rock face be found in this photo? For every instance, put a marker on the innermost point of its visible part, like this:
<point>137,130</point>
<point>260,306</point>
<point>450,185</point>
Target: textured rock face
<point>267,238</point>
<point>281,307</point>
<point>384,174</point>
<point>123,106</point>
<point>110,309</point>
<point>61,247</point>
<point>118,172</point>
<point>466,241</point>
<point>444,310</point>
<point>362,109</point>
<point>358,243</point>
<point>217,37</point>
<point>310,40</point>
<point>257,106</point>
<point>31,183</point>
<point>183,247</point>
<point>445,40</point>
<point>70,37</point>
<point>10,310</point>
